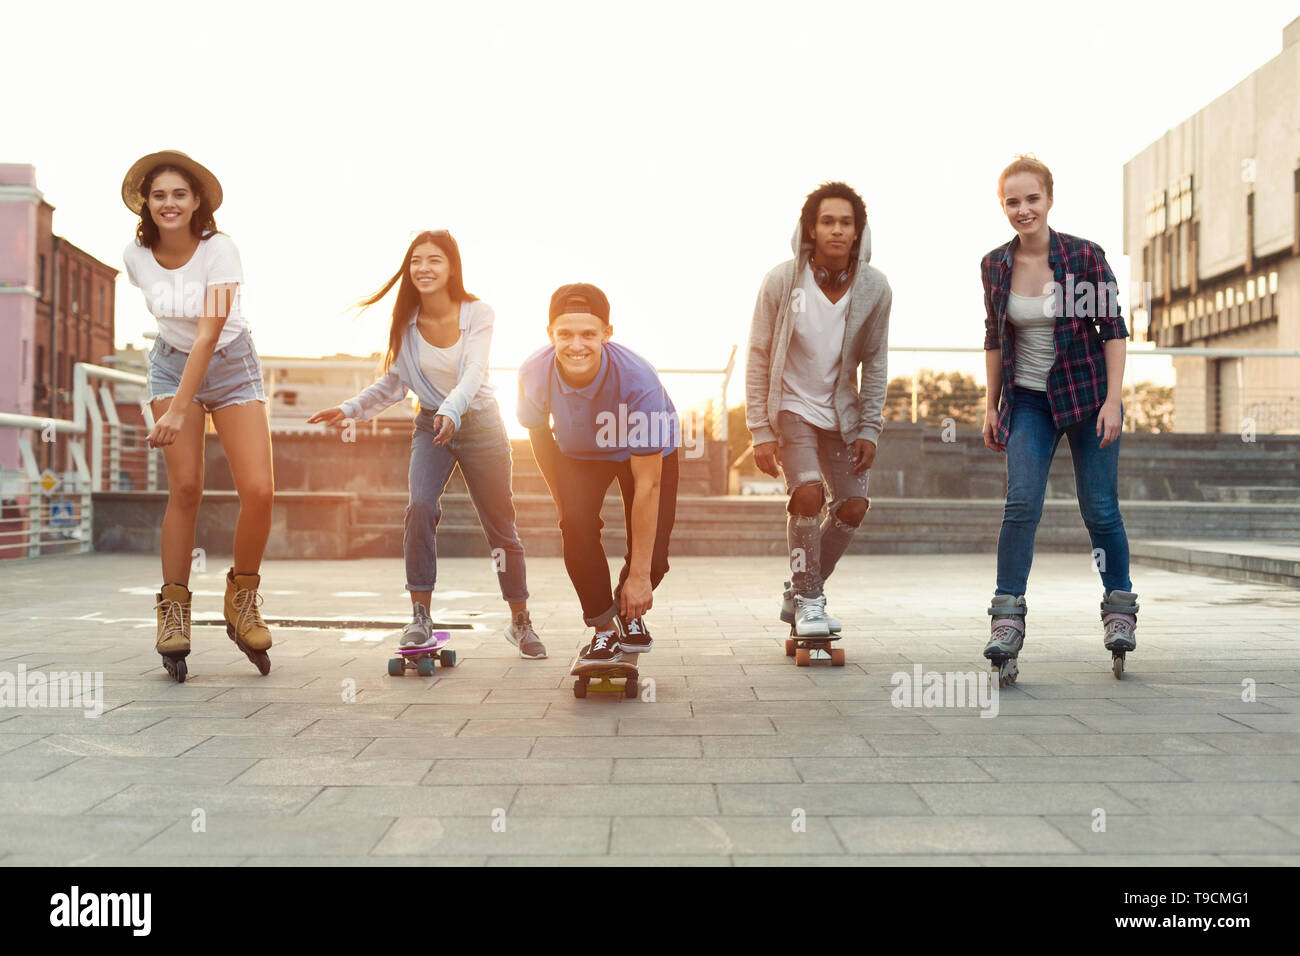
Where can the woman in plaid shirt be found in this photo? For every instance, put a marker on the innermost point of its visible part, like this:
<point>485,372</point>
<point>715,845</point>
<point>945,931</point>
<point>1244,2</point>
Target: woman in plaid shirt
<point>1054,345</point>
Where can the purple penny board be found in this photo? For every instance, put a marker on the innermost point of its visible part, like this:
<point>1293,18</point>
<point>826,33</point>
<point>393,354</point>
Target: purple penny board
<point>440,638</point>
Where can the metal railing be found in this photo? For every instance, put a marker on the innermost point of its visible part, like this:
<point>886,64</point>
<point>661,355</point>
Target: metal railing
<point>1209,390</point>
<point>47,511</point>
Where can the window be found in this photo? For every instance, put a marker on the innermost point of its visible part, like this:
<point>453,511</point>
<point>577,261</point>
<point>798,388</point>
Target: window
<point>1250,290</point>
<point>40,364</point>
<point>1272,283</point>
<point>40,275</point>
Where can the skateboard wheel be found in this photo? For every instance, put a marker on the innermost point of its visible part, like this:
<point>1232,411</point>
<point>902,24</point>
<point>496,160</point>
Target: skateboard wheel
<point>632,686</point>
<point>837,657</point>
<point>447,658</point>
<point>579,688</point>
<point>790,647</point>
<point>802,657</point>
<point>424,667</point>
<point>396,666</point>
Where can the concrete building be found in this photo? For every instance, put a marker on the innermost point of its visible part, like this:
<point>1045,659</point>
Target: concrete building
<point>1212,225</point>
<point>56,309</point>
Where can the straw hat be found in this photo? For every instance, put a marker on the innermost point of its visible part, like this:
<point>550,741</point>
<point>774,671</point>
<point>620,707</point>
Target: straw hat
<point>143,166</point>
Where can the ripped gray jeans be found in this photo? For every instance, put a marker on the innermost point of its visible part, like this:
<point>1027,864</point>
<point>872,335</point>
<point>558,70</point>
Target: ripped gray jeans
<point>816,455</point>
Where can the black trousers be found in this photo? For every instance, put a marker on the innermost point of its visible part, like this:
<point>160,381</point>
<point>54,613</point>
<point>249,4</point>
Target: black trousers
<point>578,487</point>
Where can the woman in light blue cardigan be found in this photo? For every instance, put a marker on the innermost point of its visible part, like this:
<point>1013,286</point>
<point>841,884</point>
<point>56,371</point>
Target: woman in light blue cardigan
<point>438,348</point>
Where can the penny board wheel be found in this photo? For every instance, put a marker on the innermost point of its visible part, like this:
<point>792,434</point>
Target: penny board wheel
<point>447,658</point>
<point>790,647</point>
<point>802,657</point>
<point>396,667</point>
<point>424,667</point>
<point>837,657</point>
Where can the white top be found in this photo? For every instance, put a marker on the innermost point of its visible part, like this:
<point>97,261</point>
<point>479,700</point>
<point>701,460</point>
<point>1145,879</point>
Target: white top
<point>1034,318</point>
<point>177,297</point>
<point>812,360</point>
<point>441,366</point>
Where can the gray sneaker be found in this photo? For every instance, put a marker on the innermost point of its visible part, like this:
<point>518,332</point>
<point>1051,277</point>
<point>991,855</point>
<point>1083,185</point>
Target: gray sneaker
<point>810,616</point>
<point>787,609</point>
<point>520,633</point>
<point>419,633</point>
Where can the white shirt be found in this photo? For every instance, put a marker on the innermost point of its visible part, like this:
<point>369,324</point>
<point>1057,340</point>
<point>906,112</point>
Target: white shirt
<point>441,366</point>
<point>812,360</point>
<point>1034,319</point>
<point>178,297</point>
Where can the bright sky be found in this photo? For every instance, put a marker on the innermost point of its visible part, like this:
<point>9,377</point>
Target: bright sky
<point>661,151</point>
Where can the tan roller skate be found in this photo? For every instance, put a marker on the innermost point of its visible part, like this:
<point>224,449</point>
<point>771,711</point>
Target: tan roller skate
<point>173,642</point>
<point>244,624</point>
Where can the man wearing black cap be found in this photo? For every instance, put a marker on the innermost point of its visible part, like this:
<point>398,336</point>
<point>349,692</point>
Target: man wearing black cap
<point>613,420</point>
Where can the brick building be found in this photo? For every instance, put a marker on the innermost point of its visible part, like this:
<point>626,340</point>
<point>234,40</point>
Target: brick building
<point>56,310</point>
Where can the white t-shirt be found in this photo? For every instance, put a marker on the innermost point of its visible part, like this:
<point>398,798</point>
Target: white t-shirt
<point>177,297</point>
<point>812,360</point>
<point>1033,318</point>
<point>441,366</point>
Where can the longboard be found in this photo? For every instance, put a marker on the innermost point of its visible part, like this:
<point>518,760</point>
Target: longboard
<point>587,671</point>
<point>423,659</point>
<point>801,649</point>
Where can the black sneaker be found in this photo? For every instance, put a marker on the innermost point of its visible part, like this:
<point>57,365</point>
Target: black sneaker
<point>636,636</point>
<point>604,647</point>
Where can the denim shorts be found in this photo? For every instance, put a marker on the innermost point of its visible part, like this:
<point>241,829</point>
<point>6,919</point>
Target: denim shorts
<point>234,375</point>
<point>812,455</point>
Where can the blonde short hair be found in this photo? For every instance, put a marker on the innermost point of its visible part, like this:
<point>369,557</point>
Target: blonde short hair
<point>1026,163</point>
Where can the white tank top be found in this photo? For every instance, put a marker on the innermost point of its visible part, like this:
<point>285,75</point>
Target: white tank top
<point>441,366</point>
<point>1033,317</point>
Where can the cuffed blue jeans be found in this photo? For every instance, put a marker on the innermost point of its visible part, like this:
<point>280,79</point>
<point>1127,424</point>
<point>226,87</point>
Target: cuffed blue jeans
<point>482,449</point>
<point>1031,445</point>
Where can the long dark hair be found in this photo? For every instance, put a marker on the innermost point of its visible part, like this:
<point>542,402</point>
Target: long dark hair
<point>408,297</point>
<point>202,223</point>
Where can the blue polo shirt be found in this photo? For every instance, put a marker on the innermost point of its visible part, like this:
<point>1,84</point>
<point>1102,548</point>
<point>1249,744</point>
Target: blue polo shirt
<point>625,409</point>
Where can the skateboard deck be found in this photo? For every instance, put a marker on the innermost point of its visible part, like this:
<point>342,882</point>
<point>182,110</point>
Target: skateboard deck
<point>802,649</point>
<point>423,660</point>
<point>587,671</point>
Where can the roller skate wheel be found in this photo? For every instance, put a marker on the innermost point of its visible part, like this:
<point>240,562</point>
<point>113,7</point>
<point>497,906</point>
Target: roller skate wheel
<point>790,647</point>
<point>802,657</point>
<point>263,662</point>
<point>176,668</point>
<point>837,657</point>
<point>1117,666</point>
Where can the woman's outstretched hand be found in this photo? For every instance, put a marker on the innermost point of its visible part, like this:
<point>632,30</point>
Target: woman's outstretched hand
<point>328,417</point>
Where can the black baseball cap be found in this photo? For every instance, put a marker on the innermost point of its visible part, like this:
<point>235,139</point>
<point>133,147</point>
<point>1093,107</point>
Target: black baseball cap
<point>580,297</point>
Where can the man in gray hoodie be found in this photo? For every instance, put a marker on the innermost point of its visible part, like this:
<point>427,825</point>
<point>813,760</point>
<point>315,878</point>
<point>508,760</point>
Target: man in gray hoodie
<point>819,317</point>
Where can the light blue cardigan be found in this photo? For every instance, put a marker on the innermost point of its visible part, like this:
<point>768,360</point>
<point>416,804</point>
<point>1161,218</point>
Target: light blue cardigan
<point>473,390</point>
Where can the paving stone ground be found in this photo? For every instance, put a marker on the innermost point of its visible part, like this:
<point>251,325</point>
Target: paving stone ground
<point>740,758</point>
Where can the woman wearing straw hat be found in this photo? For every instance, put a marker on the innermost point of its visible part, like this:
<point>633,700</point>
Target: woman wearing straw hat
<point>202,362</point>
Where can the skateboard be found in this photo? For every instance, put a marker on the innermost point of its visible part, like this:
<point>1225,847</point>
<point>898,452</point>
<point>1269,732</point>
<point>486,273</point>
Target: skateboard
<point>423,659</point>
<point>801,649</point>
<point>586,671</point>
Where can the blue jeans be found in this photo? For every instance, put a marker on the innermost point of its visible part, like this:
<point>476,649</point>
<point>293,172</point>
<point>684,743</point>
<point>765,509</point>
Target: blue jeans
<point>482,450</point>
<point>1031,446</point>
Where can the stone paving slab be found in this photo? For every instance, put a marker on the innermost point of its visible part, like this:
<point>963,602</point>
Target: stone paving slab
<point>735,757</point>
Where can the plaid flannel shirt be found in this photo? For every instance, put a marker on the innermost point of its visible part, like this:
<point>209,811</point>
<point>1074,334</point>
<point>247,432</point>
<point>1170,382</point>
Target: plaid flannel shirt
<point>1087,314</point>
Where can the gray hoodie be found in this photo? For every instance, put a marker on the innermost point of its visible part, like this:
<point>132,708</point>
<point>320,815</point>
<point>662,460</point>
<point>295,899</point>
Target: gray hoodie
<point>866,342</point>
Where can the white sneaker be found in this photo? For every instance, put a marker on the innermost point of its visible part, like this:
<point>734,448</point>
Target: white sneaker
<point>787,610</point>
<point>810,616</point>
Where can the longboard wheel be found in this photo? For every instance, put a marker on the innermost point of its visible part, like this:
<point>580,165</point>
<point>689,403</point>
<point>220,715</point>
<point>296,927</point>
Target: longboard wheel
<point>802,657</point>
<point>447,658</point>
<point>837,657</point>
<point>396,667</point>
<point>424,667</point>
<point>580,688</point>
<point>790,647</point>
